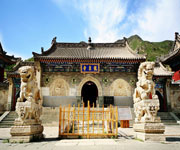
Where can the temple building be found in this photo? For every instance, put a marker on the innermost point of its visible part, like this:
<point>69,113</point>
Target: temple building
<point>103,73</point>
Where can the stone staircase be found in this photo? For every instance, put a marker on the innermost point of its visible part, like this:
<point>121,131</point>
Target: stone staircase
<point>50,116</point>
<point>8,121</point>
<point>167,118</point>
<point>177,114</point>
<point>98,125</point>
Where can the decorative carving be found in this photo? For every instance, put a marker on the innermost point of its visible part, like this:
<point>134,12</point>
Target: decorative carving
<point>105,80</point>
<point>120,87</point>
<point>59,88</point>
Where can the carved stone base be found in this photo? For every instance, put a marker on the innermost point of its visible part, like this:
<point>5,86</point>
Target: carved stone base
<point>149,131</point>
<point>26,133</point>
<point>149,127</point>
<point>150,137</point>
<point>146,111</point>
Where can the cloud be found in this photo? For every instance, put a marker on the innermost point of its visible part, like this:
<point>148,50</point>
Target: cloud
<point>103,18</point>
<point>158,21</point>
<point>109,20</point>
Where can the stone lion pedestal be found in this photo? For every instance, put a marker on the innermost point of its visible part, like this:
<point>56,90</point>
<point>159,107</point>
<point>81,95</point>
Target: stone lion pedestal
<point>27,127</point>
<point>147,126</point>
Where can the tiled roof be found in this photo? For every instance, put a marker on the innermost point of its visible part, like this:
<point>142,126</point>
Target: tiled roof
<point>170,56</point>
<point>174,52</point>
<point>6,58</point>
<point>160,70</point>
<point>82,50</point>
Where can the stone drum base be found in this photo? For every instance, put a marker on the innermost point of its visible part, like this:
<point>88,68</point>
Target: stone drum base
<point>26,133</point>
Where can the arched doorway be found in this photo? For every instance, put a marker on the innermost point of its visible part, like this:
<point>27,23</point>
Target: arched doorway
<point>89,92</point>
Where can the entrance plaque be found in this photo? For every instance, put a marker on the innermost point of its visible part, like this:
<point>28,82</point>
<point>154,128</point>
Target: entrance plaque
<point>90,68</point>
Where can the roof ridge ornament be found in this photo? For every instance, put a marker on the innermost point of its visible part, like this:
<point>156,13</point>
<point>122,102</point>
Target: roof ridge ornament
<point>89,40</point>
<point>177,41</point>
<point>42,50</point>
<point>1,50</point>
<point>54,40</point>
<point>89,44</point>
<point>176,35</point>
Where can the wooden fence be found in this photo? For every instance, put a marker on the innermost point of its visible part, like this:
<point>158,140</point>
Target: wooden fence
<point>88,122</point>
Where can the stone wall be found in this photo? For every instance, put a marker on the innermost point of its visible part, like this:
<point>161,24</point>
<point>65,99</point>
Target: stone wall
<point>71,83</point>
<point>175,97</point>
<point>3,98</point>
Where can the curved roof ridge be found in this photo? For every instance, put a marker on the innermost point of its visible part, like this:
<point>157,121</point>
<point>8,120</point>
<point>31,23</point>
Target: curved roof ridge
<point>133,52</point>
<point>164,68</point>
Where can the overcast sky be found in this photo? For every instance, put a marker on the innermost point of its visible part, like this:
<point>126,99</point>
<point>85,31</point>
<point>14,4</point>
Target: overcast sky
<point>28,25</point>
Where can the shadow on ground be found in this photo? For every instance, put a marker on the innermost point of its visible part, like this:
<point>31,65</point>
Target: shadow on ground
<point>173,139</point>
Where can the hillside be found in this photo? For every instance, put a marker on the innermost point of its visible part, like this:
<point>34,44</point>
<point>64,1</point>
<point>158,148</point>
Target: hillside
<point>152,49</point>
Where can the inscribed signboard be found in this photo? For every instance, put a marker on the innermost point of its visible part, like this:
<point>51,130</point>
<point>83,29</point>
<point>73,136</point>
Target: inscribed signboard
<point>90,68</point>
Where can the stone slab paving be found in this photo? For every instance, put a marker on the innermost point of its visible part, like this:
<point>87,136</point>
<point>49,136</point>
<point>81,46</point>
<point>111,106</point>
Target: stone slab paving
<point>124,142</point>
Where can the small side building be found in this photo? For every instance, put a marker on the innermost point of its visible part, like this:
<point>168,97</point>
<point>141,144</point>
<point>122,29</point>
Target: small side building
<point>162,78</point>
<point>173,60</point>
<point>5,60</point>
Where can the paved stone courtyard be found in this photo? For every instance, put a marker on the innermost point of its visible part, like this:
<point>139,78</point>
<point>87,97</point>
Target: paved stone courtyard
<point>125,141</point>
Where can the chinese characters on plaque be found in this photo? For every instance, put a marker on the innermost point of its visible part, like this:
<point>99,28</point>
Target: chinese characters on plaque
<point>90,68</point>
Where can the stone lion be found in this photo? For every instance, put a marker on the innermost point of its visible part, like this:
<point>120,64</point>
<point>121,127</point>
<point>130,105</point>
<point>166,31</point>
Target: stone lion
<point>145,85</point>
<point>146,103</point>
<point>29,89</point>
<point>29,104</point>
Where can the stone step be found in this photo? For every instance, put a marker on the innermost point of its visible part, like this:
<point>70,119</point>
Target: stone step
<point>170,123</point>
<point>90,126</point>
<point>8,121</point>
<point>167,119</point>
<point>90,131</point>
<point>50,116</point>
<point>178,115</point>
<point>5,126</point>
